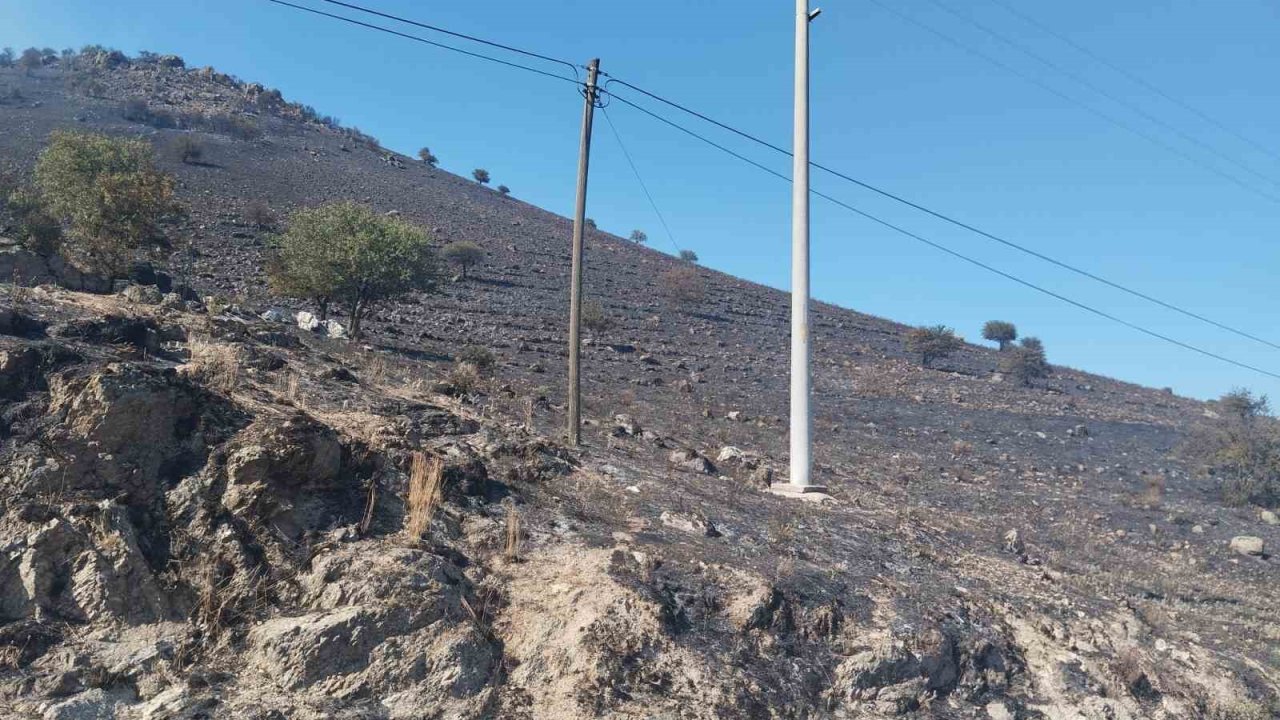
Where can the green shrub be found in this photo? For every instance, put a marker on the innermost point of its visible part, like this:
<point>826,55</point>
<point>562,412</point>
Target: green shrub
<point>109,193</point>
<point>689,256</point>
<point>999,331</point>
<point>1026,362</point>
<point>464,255</point>
<point>38,230</point>
<point>1241,450</point>
<point>348,254</point>
<point>259,215</point>
<point>481,175</point>
<point>6,57</point>
<point>480,357</point>
<point>30,59</point>
<point>503,190</point>
<point>638,237</point>
<point>933,342</point>
<point>427,157</point>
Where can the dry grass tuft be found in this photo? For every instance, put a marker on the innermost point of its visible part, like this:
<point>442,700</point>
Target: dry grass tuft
<point>426,485</point>
<point>215,364</point>
<point>10,658</point>
<point>512,549</point>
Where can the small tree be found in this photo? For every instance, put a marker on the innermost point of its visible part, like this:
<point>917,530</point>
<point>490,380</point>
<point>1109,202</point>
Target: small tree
<point>347,253</point>
<point>6,57</point>
<point>689,256</point>
<point>503,190</point>
<point>1026,362</point>
<point>30,60</point>
<point>933,342</point>
<point>481,175</point>
<point>999,331</point>
<point>425,156</point>
<point>464,255</point>
<point>638,237</point>
<point>109,192</point>
<point>1241,449</point>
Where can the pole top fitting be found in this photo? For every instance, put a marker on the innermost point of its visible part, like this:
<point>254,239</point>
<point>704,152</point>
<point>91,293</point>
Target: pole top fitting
<point>814,13</point>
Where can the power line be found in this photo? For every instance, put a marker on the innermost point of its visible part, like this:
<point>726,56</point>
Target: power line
<point>640,180</point>
<point>1167,147</point>
<point>425,41</point>
<point>947,218</point>
<point>956,254</point>
<point>1134,77</point>
<point>1101,91</point>
<point>464,36</point>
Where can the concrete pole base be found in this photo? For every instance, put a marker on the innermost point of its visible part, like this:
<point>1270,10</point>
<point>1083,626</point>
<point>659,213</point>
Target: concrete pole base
<point>808,493</point>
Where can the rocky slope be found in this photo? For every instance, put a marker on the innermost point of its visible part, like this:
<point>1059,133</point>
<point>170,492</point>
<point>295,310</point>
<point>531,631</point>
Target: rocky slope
<point>203,511</point>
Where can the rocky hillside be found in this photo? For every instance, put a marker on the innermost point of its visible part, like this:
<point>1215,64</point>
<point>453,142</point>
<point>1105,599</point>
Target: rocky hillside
<point>204,507</point>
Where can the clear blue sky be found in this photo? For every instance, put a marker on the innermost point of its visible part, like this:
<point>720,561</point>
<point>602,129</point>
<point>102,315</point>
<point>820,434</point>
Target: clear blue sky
<point>892,104</point>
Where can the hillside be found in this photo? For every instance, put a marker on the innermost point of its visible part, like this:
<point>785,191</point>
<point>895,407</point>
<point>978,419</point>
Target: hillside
<point>203,510</point>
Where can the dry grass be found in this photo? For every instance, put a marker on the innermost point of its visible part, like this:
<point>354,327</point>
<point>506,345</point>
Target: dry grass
<point>10,657</point>
<point>217,365</point>
<point>366,521</point>
<point>512,548</point>
<point>426,483</point>
<point>464,378</point>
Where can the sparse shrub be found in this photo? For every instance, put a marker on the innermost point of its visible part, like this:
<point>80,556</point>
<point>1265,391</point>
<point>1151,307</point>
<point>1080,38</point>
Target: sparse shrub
<point>464,255</point>
<point>589,223</point>
<point>1026,362</point>
<point>6,57</point>
<point>682,287</point>
<point>594,318</point>
<point>347,253</point>
<point>239,127</point>
<point>479,357</point>
<point>933,342</point>
<point>1241,449</point>
<point>259,215</point>
<point>38,230</point>
<point>110,193</point>
<point>638,237</point>
<point>503,190</point>
<point>188,149</point>
<point>426,486</point>
<point>481,175</point>
<point>426,156</point>
<point>137,110</point>
<point>999,331</point>
<point>30,59</point>
<point>511,549</point>
<point>689,256</point>
<point>464,379</point>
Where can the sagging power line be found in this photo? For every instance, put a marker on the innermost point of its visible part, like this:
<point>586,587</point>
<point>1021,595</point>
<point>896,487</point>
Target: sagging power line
<point>954,253</point>
<point>952,220</point>
<point>625,153</point>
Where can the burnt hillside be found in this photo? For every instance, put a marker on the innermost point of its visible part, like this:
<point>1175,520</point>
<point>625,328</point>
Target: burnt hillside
<point>992,550</point>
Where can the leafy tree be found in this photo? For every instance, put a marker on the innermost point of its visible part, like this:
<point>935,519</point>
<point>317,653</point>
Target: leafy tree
<point>689,256</point>
<point>638,237</point>
<point>481,175</point>
<point>425,156</point>
<point>348,254</point>
<point>999,331</point>
<point>933,342</point>
<point>30,59</point>
<point>108,191</point>
<point>503,190</point>
<point>463,254</point>
<point>1026,362</point>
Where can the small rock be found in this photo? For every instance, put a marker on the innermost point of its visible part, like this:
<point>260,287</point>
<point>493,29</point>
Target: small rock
<point>690,524</point>
<point>275,315</point>
<point>1248,545</point>
<point>142,294</point>
<point>307,321</point>
<point>625,425</point>
<point>1013,543</point>
<point>1078,431</point>
<point>1269,517</point>
<point>692,461</point>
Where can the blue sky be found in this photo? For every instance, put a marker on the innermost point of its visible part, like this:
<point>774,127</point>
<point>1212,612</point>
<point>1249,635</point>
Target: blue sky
<point>892,104</point>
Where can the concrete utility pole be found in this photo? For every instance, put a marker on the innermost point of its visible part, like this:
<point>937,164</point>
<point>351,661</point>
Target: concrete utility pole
<point>801,442</point>
<point>575,280</point>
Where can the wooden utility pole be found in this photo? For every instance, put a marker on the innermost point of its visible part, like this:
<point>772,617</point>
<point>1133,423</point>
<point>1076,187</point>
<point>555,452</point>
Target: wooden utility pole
<point>575,279</point>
